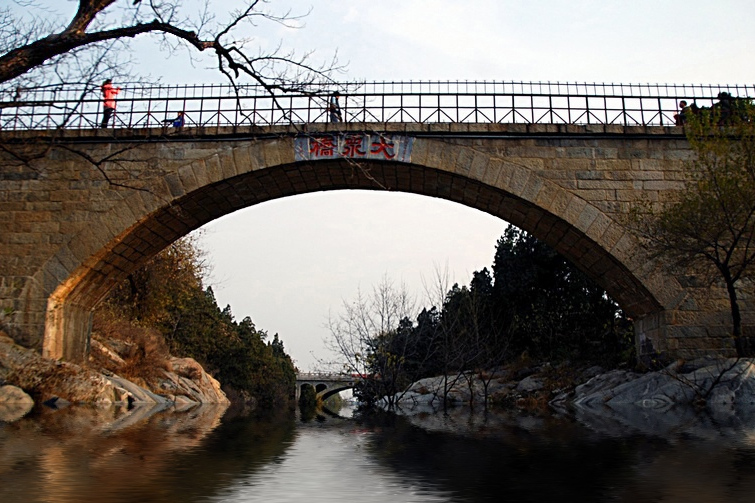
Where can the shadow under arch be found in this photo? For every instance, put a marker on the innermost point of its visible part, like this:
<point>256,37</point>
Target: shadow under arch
<point>330,392</point>
<point>81,286</point>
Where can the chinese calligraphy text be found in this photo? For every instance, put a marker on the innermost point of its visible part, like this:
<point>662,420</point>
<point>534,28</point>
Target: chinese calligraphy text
<point>367,146</point>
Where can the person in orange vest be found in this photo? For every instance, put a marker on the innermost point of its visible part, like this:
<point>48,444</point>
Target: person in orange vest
<point>108,93</point>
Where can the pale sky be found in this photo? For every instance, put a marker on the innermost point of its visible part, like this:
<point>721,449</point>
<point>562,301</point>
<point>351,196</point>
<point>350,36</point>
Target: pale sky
<point>288,263</point>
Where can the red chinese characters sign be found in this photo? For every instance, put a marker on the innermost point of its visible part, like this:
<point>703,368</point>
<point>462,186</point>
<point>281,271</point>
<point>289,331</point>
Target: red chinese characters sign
<point>353,146</point>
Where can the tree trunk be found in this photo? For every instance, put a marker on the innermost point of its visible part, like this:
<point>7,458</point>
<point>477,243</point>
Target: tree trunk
<point>736,316</point>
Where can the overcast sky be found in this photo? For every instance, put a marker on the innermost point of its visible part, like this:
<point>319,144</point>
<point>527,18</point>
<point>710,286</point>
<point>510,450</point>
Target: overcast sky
<point>288,263</point>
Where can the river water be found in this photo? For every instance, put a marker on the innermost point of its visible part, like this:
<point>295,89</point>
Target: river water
<point>82,454</point>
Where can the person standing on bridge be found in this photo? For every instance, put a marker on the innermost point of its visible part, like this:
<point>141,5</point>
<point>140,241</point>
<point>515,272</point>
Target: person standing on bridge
<point>334,107</point>
<point>108,94</point>
<point>681,117</point>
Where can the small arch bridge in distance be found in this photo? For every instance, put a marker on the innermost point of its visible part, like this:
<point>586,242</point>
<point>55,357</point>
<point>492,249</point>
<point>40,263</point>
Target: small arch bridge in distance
<point>325,384</point>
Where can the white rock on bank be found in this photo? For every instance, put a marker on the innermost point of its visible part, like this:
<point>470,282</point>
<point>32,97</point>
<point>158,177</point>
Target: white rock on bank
<point>130,392</point>
<point>14,403</point>
<point>190,383</point>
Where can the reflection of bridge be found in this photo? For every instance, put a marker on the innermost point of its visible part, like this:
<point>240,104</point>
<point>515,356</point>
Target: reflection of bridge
<point>324,384</point>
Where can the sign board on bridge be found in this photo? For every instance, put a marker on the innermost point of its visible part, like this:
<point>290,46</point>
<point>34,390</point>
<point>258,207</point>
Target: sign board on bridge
<point>357,146</point>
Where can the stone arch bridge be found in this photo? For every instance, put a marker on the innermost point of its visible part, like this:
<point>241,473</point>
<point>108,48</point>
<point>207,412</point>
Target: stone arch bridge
<point>80,209</point>
<point>325,384</point>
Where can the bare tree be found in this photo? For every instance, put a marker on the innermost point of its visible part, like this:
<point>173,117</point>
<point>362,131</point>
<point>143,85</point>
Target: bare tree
<point>43,50</point>
<point>456,346</point>
<point>364,334</point>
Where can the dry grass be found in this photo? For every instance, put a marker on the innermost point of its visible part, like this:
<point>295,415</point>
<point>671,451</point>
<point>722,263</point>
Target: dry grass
<point>143,350</point>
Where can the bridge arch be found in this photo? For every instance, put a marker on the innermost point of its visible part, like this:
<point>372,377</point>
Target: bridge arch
<point>319,388</point>
<point>530,180</point>
<point>330,392</point>
<point>324,385</point>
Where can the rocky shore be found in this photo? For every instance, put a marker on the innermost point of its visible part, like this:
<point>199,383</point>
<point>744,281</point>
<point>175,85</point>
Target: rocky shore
<point>698,396</point>
<point>27,379</point>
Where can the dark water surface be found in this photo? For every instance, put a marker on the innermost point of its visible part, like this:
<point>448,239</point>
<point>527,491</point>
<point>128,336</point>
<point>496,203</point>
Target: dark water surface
<point>204,455</point>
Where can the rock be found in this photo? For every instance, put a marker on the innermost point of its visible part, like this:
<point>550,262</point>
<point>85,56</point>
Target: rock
<point>721,385</point>
<point>530,384</point>
<point>56,403</point>
<point>59,383</point>
<point>685,396</point>
<point>14,403</point>
<point>131,393</point>
<point>14,394</point>
<point>190,383</point>
<point>44,379</point>
<point>103,352</point>
<point>591,372</point>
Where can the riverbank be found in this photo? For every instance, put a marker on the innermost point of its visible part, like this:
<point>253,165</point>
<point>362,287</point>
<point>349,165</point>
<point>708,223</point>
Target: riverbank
<point>27,379</point>
<point>698,396</point>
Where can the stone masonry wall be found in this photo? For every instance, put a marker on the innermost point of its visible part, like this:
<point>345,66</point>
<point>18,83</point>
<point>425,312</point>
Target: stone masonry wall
<point>79,210</point>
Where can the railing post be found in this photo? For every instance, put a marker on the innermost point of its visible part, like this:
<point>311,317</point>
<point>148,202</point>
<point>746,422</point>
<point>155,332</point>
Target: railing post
<point>642,110</point>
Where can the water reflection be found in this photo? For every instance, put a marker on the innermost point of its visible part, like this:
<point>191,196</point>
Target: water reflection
<point>113,455</point>
<point>528,458</point>
<point>146,455</point>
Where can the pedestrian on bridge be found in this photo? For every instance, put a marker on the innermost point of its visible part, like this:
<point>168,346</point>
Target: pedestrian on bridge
<point>108,94</point>
<point>334,107</point>
<point>178,122</point>
<point>682,116</point>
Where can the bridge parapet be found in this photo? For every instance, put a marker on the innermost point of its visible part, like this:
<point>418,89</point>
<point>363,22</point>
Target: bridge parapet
<point>77,107</point>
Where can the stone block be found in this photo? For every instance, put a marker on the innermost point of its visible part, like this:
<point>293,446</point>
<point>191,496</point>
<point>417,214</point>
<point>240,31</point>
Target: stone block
<point>548,195</point>
<point>464,161</point>
<point>604,184</point>
<point>479,165</point>
<point>420,150</point>
<point>518,180</point>
<point>574,209</point>
<point>175,186</point>
<point>663,185</point>
<point>188,179</point>
<point>227,162</point>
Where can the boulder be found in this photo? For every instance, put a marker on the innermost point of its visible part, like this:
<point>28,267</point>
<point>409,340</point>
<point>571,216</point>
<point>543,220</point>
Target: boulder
<point>131,393</point>
<point>530,384</point>
<point>44,379</point>
<point>14,403</point>
<point>723,386</point>
<point>685,396</point>
<point>190,383</point>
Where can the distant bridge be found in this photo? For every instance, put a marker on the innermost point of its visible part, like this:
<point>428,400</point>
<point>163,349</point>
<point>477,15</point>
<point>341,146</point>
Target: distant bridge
<point>325,384</point>
<point>82,207</point>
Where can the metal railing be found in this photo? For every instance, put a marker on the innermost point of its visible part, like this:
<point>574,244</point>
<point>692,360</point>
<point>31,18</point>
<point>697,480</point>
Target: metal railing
<point>79,107</point>
<point>323,376</point>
